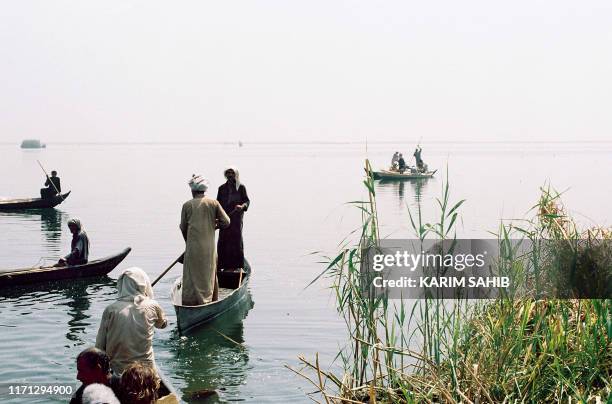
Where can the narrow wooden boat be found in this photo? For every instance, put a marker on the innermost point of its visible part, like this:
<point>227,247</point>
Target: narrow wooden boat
<point>45,274</point>
<point>166,394</point>
<point>32,203</point>
<point>406,175</point>
<point>231,293</point>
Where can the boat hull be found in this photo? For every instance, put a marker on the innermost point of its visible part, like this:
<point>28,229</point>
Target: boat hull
<point>46,274</point>
<point>33,203</point>
<point>394,175</point>
<point>191,317</point>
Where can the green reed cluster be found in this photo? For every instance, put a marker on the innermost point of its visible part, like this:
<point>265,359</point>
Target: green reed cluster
<point>516,348</point>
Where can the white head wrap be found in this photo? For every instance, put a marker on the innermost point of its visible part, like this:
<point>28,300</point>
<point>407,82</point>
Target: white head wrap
<point>235,170</point>
<point>134,284</point>
<point>97,393</point>
<point>198,183</point>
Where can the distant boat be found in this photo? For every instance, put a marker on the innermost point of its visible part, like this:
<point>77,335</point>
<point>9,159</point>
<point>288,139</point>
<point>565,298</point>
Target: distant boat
<point>32,144</point>
<point>406,175</point>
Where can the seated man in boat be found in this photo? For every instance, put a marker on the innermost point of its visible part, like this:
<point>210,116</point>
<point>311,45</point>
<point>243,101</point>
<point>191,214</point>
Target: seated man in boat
<point>200,216</point>
<point>401,164</point>
<point>53,186</point>
<point>93,366</point>
<point>126,328</point>
<point>394,161</point>
<point>79,246</point>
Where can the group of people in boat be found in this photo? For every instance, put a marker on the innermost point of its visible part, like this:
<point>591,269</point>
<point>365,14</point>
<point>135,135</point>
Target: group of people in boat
<point>138,384</point>
<point>124,342</point>
<point>399,164</point>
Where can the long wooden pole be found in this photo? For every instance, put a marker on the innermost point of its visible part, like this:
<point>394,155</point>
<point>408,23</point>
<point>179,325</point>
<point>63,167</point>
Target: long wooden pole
<point>167,269</point>
<point>45,171</point>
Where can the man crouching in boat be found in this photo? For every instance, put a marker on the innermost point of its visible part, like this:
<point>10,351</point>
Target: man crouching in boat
<point>79,246</point>
<point>93,366</point>
<point>200,216</point>
<point>126,329</point>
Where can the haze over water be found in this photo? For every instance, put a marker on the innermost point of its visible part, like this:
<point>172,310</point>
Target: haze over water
<point>131,195</point>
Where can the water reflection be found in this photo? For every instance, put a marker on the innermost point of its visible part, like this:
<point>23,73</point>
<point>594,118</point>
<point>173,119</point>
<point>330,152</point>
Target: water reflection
<point>78,303</point>
<point>72,297</point>
<point>398,187</point>
<point>50,221</point>
<point>213,358</point>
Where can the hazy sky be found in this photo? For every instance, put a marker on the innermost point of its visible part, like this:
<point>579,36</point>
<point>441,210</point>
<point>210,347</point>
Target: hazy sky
<point>305,70</point>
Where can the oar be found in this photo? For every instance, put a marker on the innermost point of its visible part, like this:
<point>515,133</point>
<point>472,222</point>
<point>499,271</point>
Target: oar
<point>167,269</point>
<point>45,171</point>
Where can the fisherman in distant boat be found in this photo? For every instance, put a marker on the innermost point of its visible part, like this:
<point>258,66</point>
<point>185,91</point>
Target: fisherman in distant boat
<point>53,186</point>
<point>234,199</point>
<point>395,161</point>
<point>79,246</point>
<point>127,325</point>
<point>401,163</point>
<point>200,217</point>
<point>419,161</point>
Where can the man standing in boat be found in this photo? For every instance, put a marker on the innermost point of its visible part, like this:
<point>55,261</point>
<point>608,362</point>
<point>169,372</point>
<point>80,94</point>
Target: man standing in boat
<point>419,161</point>
<point>53,186</point>
<point>234,199</point>
<point>200,216</point>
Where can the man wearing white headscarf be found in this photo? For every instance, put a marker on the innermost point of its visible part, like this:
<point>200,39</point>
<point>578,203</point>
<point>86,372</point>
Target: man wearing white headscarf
<point>126,329</point>
<point>79,246</point>
<point>234,199</point>
<point>200,216</point>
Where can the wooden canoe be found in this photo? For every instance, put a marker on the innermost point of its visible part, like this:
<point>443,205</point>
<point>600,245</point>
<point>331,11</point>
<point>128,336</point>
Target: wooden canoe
<point>406,175</point>
<point>166,394</point>
<point>45,274</point>
<point>190,317</point>
<point>32,203</point>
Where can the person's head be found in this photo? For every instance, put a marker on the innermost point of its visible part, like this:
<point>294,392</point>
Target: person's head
<point>134,283</point>
<point>139,384</point>
<point>230,175</point>
<point>53,173</point>
<point>99,394</point>
<point>74,225</point>
<point>198,185</point>
<point>401,155</point>
<point>93,366</point>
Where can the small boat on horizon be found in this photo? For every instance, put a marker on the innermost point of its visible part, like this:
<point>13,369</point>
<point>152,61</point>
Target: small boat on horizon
<point>32,144</point>
<point>409,174</point>
<point>99,267</point>
<point>232,292</point>
<point>33,203</point>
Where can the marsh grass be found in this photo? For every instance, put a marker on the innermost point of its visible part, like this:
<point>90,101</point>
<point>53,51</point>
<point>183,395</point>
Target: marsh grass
<point>510,349</point>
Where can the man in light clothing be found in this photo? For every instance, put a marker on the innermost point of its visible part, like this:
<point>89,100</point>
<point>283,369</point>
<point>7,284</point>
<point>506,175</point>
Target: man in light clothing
<point>126,329</point>
<point>200,217</point>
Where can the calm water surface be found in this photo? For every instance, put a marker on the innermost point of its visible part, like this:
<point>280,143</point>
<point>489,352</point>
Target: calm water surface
<point>131,195</point>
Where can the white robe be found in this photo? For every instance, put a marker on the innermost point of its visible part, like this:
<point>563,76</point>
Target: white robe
<point>126,329</point>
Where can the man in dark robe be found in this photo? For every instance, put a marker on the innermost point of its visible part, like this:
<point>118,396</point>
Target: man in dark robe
<point>53,186</point>
<point>79,246</point>
<point>401,163</point>
<point>234,200</point>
